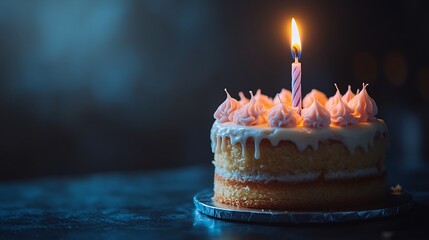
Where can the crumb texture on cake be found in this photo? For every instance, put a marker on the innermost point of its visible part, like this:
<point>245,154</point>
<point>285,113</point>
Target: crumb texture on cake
<point>286,159</point>
<point>314,195</point>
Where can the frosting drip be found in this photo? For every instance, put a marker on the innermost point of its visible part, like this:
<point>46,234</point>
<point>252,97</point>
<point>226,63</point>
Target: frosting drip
<point>364,107</point>
<point>309,99</point>
<point>315,116</point>
<point>252,113</point>
<point>359,135</point>
<point>348,95</point>
<point>282,116</point>
<point>341,114</point>
<point>224,112</point>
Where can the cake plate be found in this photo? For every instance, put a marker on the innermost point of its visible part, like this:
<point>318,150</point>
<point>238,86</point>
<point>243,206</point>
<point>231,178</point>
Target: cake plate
<point>394,204</point>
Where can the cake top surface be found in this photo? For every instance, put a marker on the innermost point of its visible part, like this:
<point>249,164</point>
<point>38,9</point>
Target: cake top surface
<point>318,112</point>
<point>350,119</point>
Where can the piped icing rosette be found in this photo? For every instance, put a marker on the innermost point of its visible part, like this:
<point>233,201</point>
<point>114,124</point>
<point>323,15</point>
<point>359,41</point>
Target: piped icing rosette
<point>315,116</point>
<point>332,101</point>
<point>243,99</point>
<point>250,114</point>
<point>364,107</point>
<point>285,97</point>
<point>318,95</point>
<point>224,112</point>
<point>348,95</point>
<point>282,116</point>
<point>263,99</point>
<point>341,114</point>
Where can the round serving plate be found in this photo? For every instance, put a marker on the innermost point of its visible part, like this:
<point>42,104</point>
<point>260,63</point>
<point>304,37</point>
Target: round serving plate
<point>394,204</point>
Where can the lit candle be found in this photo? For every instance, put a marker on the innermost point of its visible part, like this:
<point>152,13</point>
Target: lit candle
<point>296,68</point>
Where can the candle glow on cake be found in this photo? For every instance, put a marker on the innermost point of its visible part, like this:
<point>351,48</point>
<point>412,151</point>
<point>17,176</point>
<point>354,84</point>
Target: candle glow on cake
<point>315,116</point>
<point>318,95</point>
<point>282,116</point>
<point>251,113</point>
<point>364,106</point>
<point>332,101</point>
<point>263,99</point>
<point>285,96</point>
<point>243,100</point>
<point>348,95</point>
<point>341,114</point>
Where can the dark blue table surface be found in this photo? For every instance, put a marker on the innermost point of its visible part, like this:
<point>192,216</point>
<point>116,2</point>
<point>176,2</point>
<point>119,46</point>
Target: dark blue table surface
<point>159,205</point>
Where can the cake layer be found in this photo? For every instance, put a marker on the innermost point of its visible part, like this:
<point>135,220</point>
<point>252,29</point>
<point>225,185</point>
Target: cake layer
<point>302,177</point>
<point>285,159</point>
<point>312,195</point>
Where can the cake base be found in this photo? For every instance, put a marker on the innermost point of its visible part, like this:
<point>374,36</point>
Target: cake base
<point>319,194</point>
<point>390,205</point>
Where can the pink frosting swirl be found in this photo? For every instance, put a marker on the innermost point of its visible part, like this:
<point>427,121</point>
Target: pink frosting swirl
<point>224,112</point>
<point>348,95</point>
<point>363,106</point>
<point>285,97</point>
<point>282,116</point>
<point>252,113</point>
<point>315,116</point>
<point>341,114</point>
<point>309,99</point>
<point>332,101</point>
<point>263,99</point>
<point>243,99</point>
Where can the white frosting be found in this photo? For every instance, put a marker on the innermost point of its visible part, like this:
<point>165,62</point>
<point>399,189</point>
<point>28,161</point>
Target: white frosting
<point>359,135</point>
<point>310,176</point>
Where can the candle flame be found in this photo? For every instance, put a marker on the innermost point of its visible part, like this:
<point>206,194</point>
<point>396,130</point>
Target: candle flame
<point>296,41</point>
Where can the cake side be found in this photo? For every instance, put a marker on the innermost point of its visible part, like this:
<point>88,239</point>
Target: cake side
<point>283,176</point>
<point>359,135</point>
<point>330,160</point>
<point>308,195</point>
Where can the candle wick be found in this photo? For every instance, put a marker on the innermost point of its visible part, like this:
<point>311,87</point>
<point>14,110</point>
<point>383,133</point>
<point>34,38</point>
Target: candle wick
<point>295,50</point>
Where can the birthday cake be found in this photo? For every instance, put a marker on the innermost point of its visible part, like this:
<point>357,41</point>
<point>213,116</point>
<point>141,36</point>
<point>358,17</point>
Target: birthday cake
<point>330,156</point>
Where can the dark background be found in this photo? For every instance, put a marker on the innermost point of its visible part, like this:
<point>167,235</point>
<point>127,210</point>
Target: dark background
<point>93,86</point>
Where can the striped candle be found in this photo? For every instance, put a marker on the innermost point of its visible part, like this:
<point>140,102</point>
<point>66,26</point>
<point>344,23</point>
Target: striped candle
<point>296,68</point>
<point>296,85</point>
